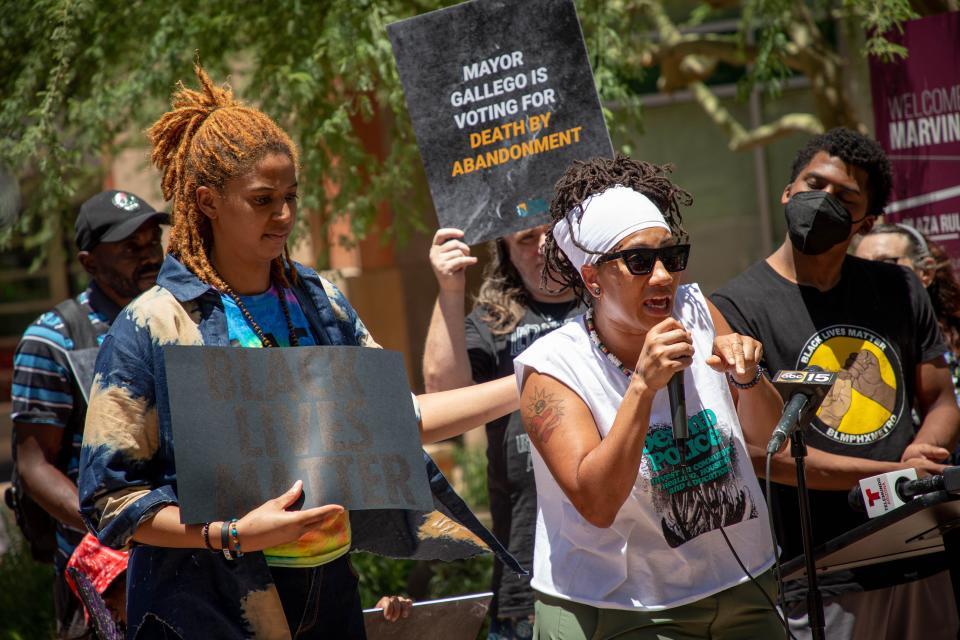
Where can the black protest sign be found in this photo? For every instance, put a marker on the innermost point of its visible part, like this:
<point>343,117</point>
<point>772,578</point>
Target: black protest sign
<point>502,100</point>
<point>248,423</point>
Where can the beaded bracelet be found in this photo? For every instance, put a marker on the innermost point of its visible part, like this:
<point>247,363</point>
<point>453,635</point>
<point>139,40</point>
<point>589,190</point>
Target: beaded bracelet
<point>225,540</point>
<point>747,385</point>
<point>235,537</point>
<point>205,532</point>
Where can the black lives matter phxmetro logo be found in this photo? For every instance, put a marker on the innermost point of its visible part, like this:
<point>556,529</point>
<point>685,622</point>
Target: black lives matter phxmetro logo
<point>867,400</point>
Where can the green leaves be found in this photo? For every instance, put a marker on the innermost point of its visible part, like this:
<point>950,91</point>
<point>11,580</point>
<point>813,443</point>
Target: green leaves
<point>81,78</point>
<point>879,17</point>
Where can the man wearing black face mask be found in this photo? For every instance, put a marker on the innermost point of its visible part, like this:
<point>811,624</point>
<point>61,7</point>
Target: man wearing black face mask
<point>118,237</point>
<point>810,303</point>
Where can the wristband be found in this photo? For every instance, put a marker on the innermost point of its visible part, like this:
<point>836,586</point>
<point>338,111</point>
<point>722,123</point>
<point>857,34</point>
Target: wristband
<point>748,385</point>
<point>225,540</point>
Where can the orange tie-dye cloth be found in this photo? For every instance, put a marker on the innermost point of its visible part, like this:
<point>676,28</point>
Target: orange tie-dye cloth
<point>315,548</point>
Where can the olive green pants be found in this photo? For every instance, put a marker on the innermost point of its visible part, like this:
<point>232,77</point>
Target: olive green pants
<point>737,613</point>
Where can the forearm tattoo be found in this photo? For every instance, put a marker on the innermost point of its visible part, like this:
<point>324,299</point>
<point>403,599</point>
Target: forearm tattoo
<point>541,416</point>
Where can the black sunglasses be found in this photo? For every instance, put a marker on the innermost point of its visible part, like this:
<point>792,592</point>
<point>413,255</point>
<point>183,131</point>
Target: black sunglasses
<point>640,261</point>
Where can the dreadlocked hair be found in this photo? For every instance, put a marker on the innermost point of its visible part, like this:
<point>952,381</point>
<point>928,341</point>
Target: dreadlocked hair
<point>583,179</point>
<point>503,298</point>
<point>208,138</point>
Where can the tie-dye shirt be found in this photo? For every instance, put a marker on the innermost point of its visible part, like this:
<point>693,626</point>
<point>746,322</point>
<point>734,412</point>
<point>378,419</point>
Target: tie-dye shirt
<point>267,312</point>
<point>333,539</point>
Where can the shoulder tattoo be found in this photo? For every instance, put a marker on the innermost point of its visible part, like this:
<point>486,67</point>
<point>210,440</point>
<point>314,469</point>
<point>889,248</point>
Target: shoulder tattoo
<point>541,416</point>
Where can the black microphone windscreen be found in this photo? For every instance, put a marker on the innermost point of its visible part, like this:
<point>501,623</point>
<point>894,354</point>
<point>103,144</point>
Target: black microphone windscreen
<point>855,500</point>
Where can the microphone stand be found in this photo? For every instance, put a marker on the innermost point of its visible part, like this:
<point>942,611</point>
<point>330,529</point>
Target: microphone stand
<point>814,599</point>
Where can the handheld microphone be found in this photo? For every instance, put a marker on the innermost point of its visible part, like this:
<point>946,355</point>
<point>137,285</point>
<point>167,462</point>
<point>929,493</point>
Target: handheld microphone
<point>806,390</point>
<point>678,414</point>
<point>879,494</point>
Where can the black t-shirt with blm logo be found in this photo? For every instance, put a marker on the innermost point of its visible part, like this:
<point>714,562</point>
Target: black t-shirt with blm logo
<point>874,327</point>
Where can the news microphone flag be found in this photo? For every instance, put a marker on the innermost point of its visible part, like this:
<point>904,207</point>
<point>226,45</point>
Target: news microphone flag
<point>879,493</point>
<point>805,391</point>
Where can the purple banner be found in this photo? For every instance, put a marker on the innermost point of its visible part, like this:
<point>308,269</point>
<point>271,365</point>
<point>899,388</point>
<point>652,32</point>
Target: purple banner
<point>916,107</point>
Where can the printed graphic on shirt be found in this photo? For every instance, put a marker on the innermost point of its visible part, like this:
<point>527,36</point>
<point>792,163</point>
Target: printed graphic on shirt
<point>525,335</point>
<point>866,402</point>
<point>268,314</point>
<point>702,495</point>
<point>522,443</point>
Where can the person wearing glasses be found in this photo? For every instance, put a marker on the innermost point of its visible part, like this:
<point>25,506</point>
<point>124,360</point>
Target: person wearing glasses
<point>903,245</point>
<point>636,538</point>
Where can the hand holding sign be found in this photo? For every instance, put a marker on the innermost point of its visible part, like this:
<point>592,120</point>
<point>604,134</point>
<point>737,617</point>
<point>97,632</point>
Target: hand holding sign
<point>271,524</point>
<point>395,607</point>
<point>450,257</point>
<point>502,100</point>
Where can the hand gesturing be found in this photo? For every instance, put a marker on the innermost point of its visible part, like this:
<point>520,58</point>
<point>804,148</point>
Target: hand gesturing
<point>738,355</point>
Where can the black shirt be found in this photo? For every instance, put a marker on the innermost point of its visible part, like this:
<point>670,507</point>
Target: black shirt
<point>513,493</point>
<point>875,326</point>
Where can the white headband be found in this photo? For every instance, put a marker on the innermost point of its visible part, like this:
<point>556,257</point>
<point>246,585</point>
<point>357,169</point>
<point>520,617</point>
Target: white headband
<point>607,218</point>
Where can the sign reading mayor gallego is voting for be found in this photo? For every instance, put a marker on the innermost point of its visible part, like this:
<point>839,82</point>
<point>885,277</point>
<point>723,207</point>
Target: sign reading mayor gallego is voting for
<point>502,100</point>
<point>248,423</point>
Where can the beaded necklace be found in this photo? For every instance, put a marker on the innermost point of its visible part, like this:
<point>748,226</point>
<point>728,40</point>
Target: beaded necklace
<point>264,340</point>
<point>595,339</point>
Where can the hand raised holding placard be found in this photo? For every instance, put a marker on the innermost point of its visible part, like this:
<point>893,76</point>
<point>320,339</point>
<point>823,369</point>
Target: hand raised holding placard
<point>450,257</point>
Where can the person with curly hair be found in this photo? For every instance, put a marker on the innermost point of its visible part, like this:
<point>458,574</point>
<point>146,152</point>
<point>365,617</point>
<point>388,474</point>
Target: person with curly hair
<point>640,534</point>
<point>510,312</point>
<point>810,303</point>
<point>277,571</point>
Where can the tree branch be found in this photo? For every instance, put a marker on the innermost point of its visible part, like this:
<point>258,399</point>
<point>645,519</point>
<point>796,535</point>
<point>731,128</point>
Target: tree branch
<point>723,48</point>
<point>742,139</point>
<point>686,60</point>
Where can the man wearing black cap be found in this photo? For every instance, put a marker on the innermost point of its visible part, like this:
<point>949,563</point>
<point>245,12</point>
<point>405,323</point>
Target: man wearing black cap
<point>118,237</point>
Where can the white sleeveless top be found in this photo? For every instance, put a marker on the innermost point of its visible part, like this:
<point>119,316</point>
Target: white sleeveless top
<point>663,549</point>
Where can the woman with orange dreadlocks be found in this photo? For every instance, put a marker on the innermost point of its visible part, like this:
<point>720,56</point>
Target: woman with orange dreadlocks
<point>231,173</point>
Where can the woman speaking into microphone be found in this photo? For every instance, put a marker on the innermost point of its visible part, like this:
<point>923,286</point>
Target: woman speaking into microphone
<point>630,537</point>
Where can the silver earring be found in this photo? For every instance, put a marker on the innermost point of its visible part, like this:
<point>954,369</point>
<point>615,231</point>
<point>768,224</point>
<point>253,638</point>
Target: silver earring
<point>596,291</point>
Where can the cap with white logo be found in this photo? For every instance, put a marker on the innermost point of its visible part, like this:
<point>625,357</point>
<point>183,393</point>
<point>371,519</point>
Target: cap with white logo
<point>112,216</point>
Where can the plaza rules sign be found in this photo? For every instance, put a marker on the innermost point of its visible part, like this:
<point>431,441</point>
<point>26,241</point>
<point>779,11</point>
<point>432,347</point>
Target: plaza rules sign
<point>502,100</point>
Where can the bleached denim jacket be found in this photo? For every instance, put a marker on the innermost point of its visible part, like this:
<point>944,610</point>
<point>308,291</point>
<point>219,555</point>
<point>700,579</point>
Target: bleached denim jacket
<point>128,472</point>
